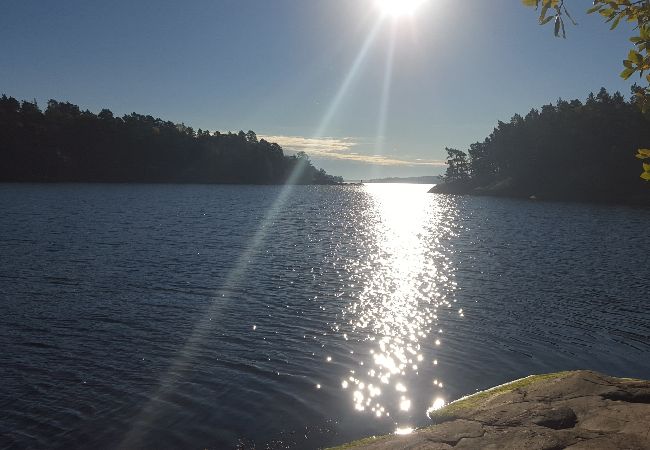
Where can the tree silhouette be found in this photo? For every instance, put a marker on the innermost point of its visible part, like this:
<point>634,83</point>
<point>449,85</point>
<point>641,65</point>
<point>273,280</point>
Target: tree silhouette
<point>638,58</point>
<point>457,166</point>
<point>64,143</point>
<point>568,150</point>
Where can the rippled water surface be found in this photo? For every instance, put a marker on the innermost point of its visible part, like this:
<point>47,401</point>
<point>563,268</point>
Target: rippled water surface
<point>138,316</point>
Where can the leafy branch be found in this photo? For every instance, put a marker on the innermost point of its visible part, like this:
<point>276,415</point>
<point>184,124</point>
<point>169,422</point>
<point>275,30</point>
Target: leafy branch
<point>614,12</point>
<point>644,153</point>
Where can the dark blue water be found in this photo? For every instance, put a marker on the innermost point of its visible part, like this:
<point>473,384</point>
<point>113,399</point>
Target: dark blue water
<point>138,316</point>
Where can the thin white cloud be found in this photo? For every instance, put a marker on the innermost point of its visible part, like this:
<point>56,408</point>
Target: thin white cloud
<point>340,149</point>
<point>313,146</point>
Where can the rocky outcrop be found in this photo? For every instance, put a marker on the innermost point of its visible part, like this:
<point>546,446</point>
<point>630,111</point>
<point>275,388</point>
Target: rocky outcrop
<point>572,410</point>
<point>456,188</point>
<point>502,187</point>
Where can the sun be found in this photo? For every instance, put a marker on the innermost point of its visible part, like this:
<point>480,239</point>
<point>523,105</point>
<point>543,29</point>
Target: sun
<point>398,8</point>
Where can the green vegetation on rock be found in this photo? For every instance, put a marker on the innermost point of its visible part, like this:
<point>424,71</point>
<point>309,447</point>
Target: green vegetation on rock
<point>362,442</point>
<point>450,411</point>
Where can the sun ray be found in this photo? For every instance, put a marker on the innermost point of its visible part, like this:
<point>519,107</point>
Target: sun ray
<point>385,95</point>
<point>185,356</point>
<point>347,82</point>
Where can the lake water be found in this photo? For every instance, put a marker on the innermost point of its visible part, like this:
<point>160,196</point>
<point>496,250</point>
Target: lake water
<point>154,316</point>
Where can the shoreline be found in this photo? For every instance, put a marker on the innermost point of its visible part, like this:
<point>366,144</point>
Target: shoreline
<point>576,409</point>
<point>455,189</point>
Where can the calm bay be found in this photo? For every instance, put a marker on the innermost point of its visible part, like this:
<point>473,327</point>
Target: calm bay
<point>199,316</point>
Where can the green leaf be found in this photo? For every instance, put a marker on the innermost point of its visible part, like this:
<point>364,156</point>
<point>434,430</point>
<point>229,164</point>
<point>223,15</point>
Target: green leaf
<point>644,32</point>
<point>643,153</point>
<point>607,12</point>
<point>547,20</point>
<point>545,8</point>
<point>627,73</point>
<point>635,57</point>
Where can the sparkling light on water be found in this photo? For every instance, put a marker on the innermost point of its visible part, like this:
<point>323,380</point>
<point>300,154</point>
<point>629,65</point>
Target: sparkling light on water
<point>396,314</point>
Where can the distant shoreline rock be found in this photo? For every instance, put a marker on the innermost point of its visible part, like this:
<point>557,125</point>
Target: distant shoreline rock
<point>506,188</point>
<point>572,410</point>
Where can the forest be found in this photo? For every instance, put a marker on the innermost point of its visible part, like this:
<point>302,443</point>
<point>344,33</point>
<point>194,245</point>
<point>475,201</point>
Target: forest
<point>66,144</point>
<point>567,151</point>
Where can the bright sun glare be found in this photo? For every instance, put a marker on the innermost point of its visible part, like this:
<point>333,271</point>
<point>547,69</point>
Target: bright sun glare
<point>398,8</point>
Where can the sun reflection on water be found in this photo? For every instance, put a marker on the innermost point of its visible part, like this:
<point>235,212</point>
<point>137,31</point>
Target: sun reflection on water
<point>396,313</point>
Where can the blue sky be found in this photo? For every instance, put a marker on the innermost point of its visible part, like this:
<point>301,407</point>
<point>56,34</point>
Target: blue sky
<point>296,70</point>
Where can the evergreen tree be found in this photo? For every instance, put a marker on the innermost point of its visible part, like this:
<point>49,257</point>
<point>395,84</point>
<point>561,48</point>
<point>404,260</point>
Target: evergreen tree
<point>67,144</point>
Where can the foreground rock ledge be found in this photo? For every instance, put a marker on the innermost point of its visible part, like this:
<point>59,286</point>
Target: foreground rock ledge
<point>573,410</point>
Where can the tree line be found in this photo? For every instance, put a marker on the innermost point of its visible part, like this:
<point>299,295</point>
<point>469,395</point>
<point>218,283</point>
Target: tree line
<point>570,150</point>
<point>65,144</point>
<point>614,12</point>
